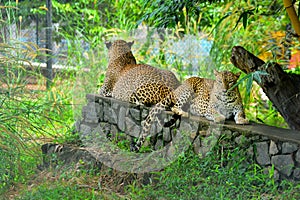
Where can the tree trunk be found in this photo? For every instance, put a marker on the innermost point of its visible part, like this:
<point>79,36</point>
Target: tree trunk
<point>282,88</point>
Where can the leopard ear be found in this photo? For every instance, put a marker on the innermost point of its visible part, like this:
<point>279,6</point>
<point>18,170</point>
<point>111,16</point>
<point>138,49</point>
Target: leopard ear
<point>108,44</point>
<point>130,43</point>
<point>216,72</point>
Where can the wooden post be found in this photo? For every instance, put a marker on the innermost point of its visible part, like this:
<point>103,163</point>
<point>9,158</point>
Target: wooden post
<point>37,28</point>
<point>49,75</point>
<point>292,15</point>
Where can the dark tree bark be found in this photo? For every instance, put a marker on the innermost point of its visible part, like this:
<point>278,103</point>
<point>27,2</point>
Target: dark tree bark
<point>282,88</point>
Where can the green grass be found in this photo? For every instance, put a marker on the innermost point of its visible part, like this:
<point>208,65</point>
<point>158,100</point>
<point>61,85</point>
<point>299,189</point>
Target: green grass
<point>58,191</point>
<point>191,177</point>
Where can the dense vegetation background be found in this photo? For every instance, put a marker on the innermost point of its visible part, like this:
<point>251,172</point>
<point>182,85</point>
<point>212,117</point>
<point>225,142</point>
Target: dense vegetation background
<point>31,115</point>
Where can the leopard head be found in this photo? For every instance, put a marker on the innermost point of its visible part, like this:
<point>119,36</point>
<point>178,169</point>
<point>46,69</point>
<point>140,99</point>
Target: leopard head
<point>226,79</point>
<point>118,48</point>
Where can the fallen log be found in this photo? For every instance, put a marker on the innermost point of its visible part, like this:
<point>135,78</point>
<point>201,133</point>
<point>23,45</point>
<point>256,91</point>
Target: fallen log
<point>282,88</point>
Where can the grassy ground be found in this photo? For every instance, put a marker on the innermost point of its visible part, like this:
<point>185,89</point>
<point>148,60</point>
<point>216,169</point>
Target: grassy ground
<point>227,176</point>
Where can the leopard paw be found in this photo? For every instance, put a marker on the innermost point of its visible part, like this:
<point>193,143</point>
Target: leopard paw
<point>219,119</point>
<point>179,111</point>
<point>242,121</point>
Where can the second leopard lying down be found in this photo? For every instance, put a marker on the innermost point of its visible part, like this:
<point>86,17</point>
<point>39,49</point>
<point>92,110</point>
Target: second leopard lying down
<point>214,99</point>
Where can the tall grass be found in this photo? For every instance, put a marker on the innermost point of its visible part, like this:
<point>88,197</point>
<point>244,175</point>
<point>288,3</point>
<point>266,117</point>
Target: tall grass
<point>29,114</point>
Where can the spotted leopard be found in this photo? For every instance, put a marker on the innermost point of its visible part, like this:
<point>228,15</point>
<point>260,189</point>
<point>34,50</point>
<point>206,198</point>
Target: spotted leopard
<point>216,100</point>
<point>136,83</point>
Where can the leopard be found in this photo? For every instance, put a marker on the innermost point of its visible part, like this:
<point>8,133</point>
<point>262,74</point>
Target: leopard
<point>216,100</point>
<point>140,84</point>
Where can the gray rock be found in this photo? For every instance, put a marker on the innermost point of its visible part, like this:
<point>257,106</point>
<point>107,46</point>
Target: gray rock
<point>159,127</point>
<point>275,175</point>
<point>92,117</point>
<point>296,173</point>
<point>106,111</point>
<point>131,128</point>
<point>145,113</point>
<point>273,150</point>
<point>85,130</point>
<point>250,152</point>
<point>241,140</point>
<point>105,127</point>
<point>166,134</point>
<point>121,118</point>
<point>255,138</point>
<point>284,163</point>
<point>92,107</point>
<point>115,105</point>
<point>77,125</point>
<point>194,125</point>
<point>91,112</point>
<point>135,113</point>
<point>113,117</point>
<point>264,138</point>
<point>288,147</point>
<point>197,145</point>
<point>114,131</point>
<point>297,156</point>
<point>262,157</point>
<point>110,115</point>
<point>153,129</point>
<point>91,98</point>
<point>186,128</point>
<point>159,144</point>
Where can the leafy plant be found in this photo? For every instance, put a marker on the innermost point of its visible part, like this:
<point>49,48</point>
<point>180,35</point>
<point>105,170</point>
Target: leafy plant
<point>169,14</point>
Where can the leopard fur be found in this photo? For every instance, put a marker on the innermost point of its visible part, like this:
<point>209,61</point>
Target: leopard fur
<point>136,83</point>
<point>214,99</point>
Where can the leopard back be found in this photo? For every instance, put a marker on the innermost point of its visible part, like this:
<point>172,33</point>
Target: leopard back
<point>136,83</point>
<point>120,58</point>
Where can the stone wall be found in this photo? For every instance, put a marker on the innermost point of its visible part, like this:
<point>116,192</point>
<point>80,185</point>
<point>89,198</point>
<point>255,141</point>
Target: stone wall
<point>265,145</point>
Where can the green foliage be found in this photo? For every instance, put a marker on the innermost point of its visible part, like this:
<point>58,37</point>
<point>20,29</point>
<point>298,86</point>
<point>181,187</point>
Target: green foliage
<point>220,175</point>
<point>93,20</point>
<point>26,114</point>
<point>250,77</point>
<point>242,21</point>
<point>58,191</point>
<point>171,13</point>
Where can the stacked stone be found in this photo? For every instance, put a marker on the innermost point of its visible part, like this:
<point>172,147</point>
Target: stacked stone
<point>267,146</point>
<point>115,117</point>
<point>284,156</point>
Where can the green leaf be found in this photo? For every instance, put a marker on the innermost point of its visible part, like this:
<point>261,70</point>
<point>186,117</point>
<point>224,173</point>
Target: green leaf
<point>249,84</point>
<point>219,22</point>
